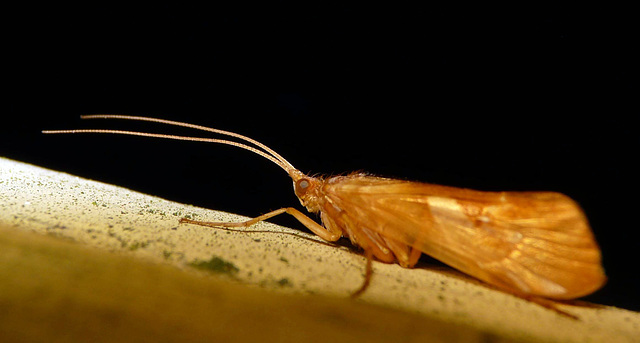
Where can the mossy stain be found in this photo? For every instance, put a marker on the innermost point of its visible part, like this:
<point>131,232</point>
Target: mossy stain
<point>216,265</point>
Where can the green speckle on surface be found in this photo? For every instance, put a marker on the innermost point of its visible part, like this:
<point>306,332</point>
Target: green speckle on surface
<point>138,245</point>
<point>191,215</point>
<point>216,265</point>
<point>284,282</point>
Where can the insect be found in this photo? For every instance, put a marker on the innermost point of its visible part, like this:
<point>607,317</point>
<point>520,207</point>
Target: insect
<point>532,244</point>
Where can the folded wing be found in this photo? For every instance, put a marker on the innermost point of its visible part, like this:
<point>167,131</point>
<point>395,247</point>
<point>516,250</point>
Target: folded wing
<point>534,243</point>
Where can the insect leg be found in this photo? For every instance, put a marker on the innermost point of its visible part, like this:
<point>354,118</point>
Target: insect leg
<point>414,257</point>
<point>400,250</point>
<point>316,228</point>
<point>549,304</point>
<point>367,275</point>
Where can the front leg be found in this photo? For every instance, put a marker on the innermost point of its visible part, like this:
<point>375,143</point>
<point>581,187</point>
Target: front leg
<point>331,234</point>
<point>321,231</point>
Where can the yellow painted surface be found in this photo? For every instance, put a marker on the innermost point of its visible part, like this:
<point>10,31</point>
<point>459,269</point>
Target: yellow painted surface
<point>81,259</point>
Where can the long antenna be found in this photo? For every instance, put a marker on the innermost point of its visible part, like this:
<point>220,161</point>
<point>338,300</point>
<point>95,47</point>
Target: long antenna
<point>268,153</point>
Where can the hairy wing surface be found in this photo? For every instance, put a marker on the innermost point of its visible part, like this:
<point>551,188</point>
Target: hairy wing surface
<point>535,243</point>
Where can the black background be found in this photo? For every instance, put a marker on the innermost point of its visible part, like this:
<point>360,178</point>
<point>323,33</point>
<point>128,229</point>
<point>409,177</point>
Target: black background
<point>485,98</point>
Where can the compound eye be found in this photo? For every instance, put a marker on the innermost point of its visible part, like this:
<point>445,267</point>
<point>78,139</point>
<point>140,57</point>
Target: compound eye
<point>303,184</point>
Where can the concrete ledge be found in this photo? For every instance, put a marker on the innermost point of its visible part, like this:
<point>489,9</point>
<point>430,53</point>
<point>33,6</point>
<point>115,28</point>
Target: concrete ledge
<point>85,260</point>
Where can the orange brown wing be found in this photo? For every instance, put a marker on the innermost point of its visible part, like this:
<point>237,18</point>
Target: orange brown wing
<point>533,243</point>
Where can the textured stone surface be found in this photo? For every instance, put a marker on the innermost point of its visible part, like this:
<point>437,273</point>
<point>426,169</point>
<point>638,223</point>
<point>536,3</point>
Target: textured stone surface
<point>129,227</point>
